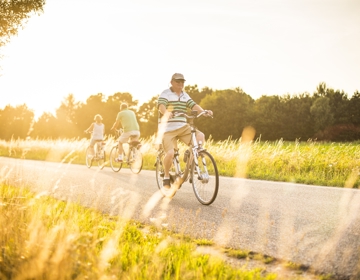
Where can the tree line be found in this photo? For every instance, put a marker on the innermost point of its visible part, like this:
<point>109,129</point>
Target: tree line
<point>327,114</point>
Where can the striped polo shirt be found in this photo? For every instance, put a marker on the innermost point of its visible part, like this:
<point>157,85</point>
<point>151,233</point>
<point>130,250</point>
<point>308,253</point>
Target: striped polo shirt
<point>178,103</point>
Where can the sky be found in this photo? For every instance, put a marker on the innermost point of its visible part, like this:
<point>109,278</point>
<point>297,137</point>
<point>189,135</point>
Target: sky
<point>265,47</point>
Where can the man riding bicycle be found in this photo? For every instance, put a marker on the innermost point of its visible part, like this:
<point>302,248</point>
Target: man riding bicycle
<point>127,119</point>
<point>171,128</point>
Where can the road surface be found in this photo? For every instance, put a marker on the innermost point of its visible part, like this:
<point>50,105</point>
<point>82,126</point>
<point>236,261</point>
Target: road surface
<point>312,225</point>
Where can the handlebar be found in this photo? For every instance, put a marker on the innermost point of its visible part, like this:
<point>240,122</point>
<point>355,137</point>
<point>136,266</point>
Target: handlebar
<point>193,115</point>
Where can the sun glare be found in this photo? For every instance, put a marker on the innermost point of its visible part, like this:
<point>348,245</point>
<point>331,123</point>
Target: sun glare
<point>85,48</point>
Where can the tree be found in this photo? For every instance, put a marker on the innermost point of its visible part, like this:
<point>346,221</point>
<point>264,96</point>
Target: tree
<point>46,127</point>
<point>232,110</point>
<point>321,112</point>
<point>16,122</point>
<point>148,117</point>
<point>85,113</point>
<point>196,94</point>
<point>297,121</point>
<point>321,90</point>
<point>353,108</point>
<point>339,102</point>
<point>269,117</point>
<point>14,14</point>
<point>66,117</point>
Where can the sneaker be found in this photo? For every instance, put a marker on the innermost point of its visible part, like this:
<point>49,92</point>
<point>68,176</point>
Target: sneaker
<point>166,183</point>
<point>119,159</point>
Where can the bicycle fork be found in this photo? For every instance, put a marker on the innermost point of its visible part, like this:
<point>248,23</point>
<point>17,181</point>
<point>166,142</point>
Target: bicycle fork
<point>176,163</point>
<point>203,176</point>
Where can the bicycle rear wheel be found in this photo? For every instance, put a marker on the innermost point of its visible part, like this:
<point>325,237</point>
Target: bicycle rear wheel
<point>89,157</point>
<point>135,160</point>
<point>114,153</point>
<point>159,170</point>
<point>205,184</point>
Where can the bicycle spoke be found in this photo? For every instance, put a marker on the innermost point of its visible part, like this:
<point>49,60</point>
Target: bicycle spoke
<point>205,178</point>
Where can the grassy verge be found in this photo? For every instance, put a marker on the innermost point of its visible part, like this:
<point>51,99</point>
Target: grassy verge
<point>43,238</point>
<point>313,163</point>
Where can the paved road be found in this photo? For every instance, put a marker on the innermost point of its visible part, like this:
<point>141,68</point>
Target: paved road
<point>313,225</point>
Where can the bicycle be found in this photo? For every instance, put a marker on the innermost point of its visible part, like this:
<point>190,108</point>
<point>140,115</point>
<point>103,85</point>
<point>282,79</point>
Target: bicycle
<point>99,154</point>
<point>200,168</point>
<point>132,158</point>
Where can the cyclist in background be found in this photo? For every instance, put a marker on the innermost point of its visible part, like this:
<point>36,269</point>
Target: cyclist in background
<point>97,129</point>
<point>172,128</point>
<point>129,123</point>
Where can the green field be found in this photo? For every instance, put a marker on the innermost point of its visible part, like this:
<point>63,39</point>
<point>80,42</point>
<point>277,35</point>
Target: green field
<point>313,163</point>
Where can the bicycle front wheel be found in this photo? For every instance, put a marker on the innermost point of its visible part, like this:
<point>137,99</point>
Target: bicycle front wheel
<point>160,176</point>
<point>206,182</point>
<point>89,157</point>
<point>114,153</point>
<point>136,160</point>
<point>101,159</point>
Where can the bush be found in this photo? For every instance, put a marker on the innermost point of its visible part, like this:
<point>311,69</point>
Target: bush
<point>340,132</point>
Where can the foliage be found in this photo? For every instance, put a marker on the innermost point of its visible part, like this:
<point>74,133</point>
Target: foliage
<point>16,122</point>
<point>148,117</point>
<point>339,133</point>
<point>268,115</point>
<point>14,14</point>
<point>196,94</point>
<point>321,112</point>
<point>232,110</point>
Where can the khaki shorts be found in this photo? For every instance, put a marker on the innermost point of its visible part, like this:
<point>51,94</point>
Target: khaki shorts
<point>124,138</point>
<point>170,138</point>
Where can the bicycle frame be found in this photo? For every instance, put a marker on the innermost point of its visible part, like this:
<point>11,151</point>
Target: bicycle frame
<point>100,147</point>
<point>132,156</point>
<point>132,144</point>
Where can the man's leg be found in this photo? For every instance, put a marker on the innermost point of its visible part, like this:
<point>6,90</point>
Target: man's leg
<point>120,153</point>
<point>168,144</point>
<point>167,163</point>
<point>120,148</point>
<point>200,137</point>
<point>124,138</point>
